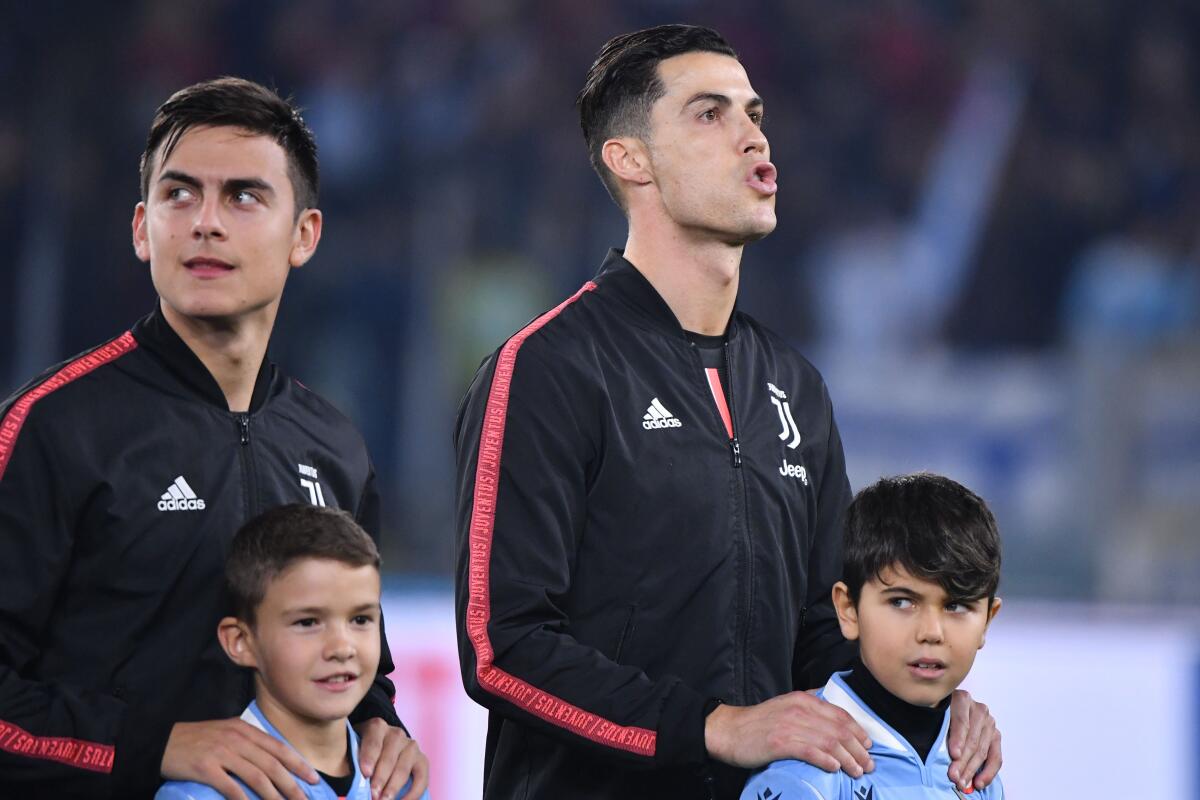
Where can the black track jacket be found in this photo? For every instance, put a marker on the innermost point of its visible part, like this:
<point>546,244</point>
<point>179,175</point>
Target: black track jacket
<point>622,560</point>
<point>123,477</point>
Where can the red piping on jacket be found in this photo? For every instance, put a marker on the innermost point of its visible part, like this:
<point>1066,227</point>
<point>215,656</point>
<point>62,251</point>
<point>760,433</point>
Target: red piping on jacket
<point>10,426</point>
<point>556,711</point>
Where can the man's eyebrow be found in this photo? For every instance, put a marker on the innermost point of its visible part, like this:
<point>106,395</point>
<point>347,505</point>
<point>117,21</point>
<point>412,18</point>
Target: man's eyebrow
<point>179,177</point>
<point>240,184</point>
<point>721,100</point>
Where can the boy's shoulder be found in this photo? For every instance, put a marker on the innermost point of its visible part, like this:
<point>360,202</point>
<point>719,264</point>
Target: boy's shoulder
<point>897,766</point>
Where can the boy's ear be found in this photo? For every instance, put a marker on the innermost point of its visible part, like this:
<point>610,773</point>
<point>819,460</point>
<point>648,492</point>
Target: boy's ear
<point>236,639</point>
<point>991,615</point>
<point>846,611</point>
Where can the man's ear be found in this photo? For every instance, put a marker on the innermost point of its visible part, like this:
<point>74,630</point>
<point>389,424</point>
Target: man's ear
<point>141,239</point>
<point>306,237</point>
<point>628,159</point>
<point>846,611</point>
<point>237,641</point>
<point>991,615</point>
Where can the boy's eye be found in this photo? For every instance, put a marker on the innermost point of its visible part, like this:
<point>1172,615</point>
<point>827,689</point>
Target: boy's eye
<point>900,602</point>
<point>363,619</point>
<point>306,622</point>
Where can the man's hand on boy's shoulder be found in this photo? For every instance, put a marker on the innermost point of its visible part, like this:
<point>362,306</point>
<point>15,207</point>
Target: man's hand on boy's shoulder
<point>973,741</point>
<point>209,752</point>
<point>389,757</point>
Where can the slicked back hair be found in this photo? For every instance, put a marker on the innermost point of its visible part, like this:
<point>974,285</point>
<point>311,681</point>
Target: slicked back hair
<point>936,528</point>
<point>270,543</point>
<point>243,104</point>
<point>624,83</point>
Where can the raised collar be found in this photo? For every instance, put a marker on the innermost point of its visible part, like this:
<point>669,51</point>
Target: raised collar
<point>625,282</point>
<point>882,735</point>
<point>154,333</point>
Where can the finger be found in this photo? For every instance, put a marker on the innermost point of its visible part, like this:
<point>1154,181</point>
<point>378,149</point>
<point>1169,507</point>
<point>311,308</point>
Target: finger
<point>263,749</point>
<point>960,723</point>
<point>420,779</point>
<point>854,748</point>
<point>226,786</point>
<point>259,782</point>
<point>991,767</point>
<point>973,760</point>
<point>839,716</point>
<point>402,774</point>
<point>974,750</point>
<point>815,755</point>
<point>267,776</point>
<point>394,762</point>
<point>370,745</point>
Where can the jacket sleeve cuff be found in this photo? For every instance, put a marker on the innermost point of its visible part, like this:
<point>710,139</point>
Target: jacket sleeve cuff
<point>681,729</point>
<point>139,748</point>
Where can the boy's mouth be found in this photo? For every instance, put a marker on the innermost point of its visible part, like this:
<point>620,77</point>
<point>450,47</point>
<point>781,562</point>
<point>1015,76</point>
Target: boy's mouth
<point>927,668</point>
<point>338,682</point>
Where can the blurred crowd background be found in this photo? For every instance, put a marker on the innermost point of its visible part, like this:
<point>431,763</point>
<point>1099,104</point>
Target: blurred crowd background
<point>988,237</point>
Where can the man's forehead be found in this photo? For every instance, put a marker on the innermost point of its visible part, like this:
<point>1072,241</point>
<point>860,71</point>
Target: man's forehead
<point>685,75</point>
<point>220,148</point>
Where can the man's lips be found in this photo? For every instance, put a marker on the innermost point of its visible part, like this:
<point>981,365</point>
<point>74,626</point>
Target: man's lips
<point>763,178</point>
<point>207,267</point>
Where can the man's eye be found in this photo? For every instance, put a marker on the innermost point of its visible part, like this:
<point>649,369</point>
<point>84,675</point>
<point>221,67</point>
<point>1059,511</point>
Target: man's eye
<point>244,197</point>
<point>757,118</point>
<point>179,193</point>
<point>709,115</point>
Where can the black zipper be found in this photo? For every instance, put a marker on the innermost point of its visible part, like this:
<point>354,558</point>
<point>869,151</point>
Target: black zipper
<point>249,483</point>
<point>746,586</point>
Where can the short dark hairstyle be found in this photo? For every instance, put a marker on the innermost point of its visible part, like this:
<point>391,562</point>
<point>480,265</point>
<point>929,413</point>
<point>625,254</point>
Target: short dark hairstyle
<point>237,103</point>
<point>936,528</point>
<point>623,84</point>
<point>270,543</point>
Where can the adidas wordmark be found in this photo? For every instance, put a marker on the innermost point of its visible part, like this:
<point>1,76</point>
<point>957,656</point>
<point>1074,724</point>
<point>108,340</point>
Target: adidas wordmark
<point>180,497</point>
<point>657,416</point>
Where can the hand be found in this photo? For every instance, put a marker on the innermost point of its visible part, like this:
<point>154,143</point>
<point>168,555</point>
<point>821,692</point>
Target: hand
<point>794,725</point>
<point>972,738</point>
<point>209,752</point>
<point>388,757</point>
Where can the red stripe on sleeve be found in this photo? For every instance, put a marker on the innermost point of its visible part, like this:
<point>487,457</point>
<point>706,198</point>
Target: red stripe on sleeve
<point>554,710</point>
<point>11,425</point>
<point>72,752</point>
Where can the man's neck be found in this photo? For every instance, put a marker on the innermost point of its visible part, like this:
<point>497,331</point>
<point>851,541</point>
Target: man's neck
<point>322,744</point>
<point>232,351</point>
<point>698,279</point>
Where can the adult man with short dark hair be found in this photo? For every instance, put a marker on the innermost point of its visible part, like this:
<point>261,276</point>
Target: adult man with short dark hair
<point>651,484</point>
<point>125,472</point>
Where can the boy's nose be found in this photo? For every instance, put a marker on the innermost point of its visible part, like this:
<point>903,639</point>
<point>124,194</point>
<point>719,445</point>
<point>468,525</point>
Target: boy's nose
<point>930,627</point>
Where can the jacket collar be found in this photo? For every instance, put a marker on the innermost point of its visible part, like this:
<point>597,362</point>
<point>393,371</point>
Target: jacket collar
<point>883,736</point>
<point>154,333</point>
<point>624,281</point>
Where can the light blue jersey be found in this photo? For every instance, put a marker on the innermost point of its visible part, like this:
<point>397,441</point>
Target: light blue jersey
<point>360,789</point>
<point>899,772</point>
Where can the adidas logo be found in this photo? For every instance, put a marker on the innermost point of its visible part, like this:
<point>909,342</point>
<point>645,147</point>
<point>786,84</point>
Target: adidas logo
<point>658,417</point>
<point>180,497</point>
